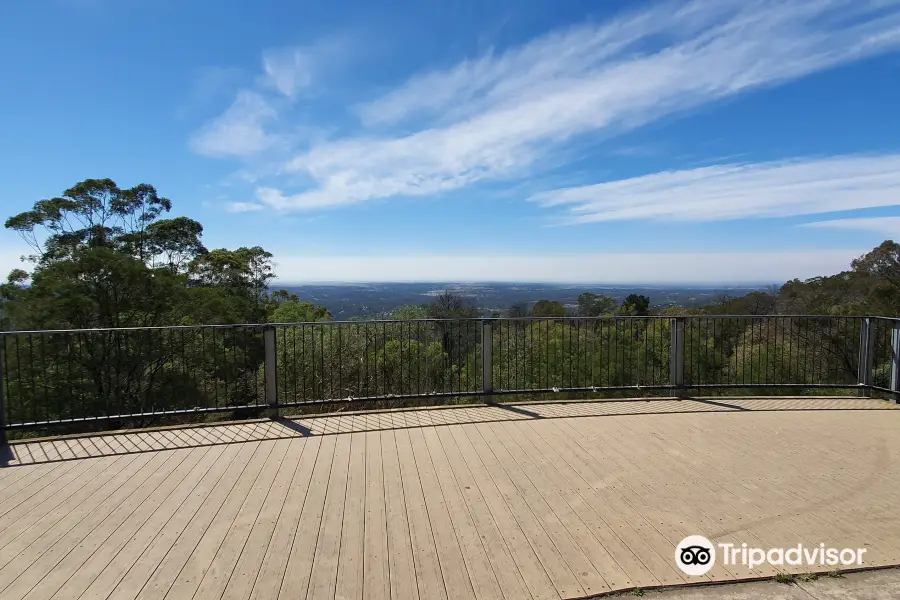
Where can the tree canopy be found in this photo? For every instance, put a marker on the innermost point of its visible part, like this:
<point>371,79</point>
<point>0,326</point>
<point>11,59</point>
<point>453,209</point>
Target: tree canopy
<point>636,304</point>
<point>106,256</point>
<point>548,308</point>
<point>595,305</point>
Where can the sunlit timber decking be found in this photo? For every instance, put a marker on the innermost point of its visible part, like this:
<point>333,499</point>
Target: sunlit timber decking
<point>562,500</point>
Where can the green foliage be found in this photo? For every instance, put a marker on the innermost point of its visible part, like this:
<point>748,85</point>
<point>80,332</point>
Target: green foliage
<point>636,304</point>
<point>299,312</point>
<point>517,311</point>
<point>103,257</point>
<point>548,308</point>
<point>578,354</point>
<point>754,303</point>
<point>409,313</point>
<point>784,577</point>
<point>595,305</point>
<point>450,305</point>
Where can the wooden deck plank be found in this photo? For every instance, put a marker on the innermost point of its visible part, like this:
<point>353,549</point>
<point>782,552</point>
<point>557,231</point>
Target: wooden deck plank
<point>328,544</point>
<point>299,566</point>
<point>153,573</point>
<point>249,563</point>
<point>99,577</point>
<point>693,492</point>
<point>533,525</point>
<point>478,565</point>
<point>806,523</point>
<point>704,491</point>
<point>46,483</point>
<point>572,539</point>
<point>645,541</point>
<point>81,565</point>
<point>41,556</point>
<point>351,564</point>
<point>844,476</point>
<point>454,568</point>
<point>36,523</point>
<point>376,569</point>
<point>54,567</point>
<point>429,578</point>
<point>268,581</point>
<point>612,558</point>
<point>527,558</point>
<point>28,477</point>
<point>224,561</point>
<point>399,542</point>
<point>17,554</point>
<point>504,565</point>
<point>33,507</point>
<point>668,520</point>
<point>194,570</point>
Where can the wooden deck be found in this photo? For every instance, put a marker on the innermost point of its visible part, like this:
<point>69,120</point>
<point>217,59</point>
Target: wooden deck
<point>528,501</point>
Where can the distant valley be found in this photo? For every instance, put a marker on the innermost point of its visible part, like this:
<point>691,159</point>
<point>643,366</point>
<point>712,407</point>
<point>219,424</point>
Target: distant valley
<point>347,301</point>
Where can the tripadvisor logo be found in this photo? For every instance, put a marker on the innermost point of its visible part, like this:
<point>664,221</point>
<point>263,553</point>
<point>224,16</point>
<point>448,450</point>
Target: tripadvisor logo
<point>695,555</point>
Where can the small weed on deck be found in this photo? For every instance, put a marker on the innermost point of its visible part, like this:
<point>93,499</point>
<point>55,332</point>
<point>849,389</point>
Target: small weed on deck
<point>786,578</point>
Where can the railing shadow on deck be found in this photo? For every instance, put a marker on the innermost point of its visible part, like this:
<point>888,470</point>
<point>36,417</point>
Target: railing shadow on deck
<point>49,450</point>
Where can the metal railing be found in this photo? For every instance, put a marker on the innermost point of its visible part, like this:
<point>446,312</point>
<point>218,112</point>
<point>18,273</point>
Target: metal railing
<point>77,379</point>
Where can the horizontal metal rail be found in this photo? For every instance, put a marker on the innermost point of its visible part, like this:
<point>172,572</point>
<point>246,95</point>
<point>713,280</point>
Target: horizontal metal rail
<point>132,377</point>
<point>430,320</point>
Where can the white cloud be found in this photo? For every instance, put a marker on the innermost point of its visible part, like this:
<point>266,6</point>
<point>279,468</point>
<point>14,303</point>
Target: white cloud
<point>241,207</point>
<point>246,127</point>
<point>501,115</point>
<point>288,69</point>
<point>210,84</point>
<point>889,226</point>
<point>239,131</point>
<point>658,267</point>
<point>736,191</point>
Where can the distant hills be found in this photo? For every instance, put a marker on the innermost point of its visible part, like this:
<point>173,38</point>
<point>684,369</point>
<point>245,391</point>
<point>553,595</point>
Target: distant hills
<point>346,301</point>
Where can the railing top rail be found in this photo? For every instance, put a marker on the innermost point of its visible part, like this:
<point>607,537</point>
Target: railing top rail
<point>447,320</point>
<point>148,328</point>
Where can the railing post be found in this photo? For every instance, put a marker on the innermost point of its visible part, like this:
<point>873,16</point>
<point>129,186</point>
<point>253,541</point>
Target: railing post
<point>895,363</point>
<point>866,349</point>
<point>3,440</point>
<point>676,356</point>
<point>271,370</point>
<point>487,365</point>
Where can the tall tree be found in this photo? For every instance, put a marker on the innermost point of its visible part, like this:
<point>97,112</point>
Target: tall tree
<point>548,308</point>
<point>230,286</point>
<point>517,310</point>
<point>94,258</point>
<point>594,305</point>
<point>636,304</point>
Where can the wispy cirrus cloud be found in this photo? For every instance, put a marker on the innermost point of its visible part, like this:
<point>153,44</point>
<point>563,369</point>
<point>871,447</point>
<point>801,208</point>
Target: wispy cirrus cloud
<point>736,191</point>
<point>889,226</point>
<point>240,130</point>
<point>242,207</point>
<point>251,124</point>
<point>288,70</point>
<point>502,115</point>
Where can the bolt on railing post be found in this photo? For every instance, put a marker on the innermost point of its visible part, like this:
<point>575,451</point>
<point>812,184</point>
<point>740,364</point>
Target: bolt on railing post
<point>866,350</point>
<point>487,365</point>
<point>271,370</point>
<point>895,363</point>
<point>676,356</point>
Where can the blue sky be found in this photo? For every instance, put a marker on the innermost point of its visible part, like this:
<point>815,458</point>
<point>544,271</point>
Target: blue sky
<point>710,141</point>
